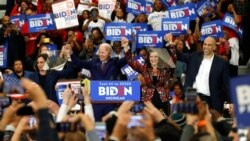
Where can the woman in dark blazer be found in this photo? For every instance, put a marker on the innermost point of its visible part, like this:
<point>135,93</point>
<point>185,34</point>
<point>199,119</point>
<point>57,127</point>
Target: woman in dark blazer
<point>46,78</point>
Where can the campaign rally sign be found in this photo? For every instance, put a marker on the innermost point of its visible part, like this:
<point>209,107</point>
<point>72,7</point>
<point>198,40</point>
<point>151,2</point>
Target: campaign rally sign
<point>169,3</point>
<point>136,6</point>
<point>106,7</point>
<point>3,56</point>
<point>62,85</point>
<point>40,22</point>
<point>182,11</point>
<point>139,27</point>
<point>149,39</point>
<point>52,49</point>
<point>203,6</point>
<point>115,31</point>
<point>213,28</point>
<point>107,91</point>
<point>131,73</point>
<point>229,22</point>
<point>149,5</point>
<point>65,14</point>
<point>177,26</point>
<point>213,4</point>
<point>240,90</point>
<point>18,21</point>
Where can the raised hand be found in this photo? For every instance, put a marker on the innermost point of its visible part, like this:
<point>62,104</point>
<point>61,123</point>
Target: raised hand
<point>168,37</point>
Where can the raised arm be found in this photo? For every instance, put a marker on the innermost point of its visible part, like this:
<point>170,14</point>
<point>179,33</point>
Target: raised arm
<point>134,64</point>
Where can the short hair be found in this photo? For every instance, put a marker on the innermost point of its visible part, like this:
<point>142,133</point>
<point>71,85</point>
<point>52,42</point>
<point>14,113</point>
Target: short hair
<point>17,59</point>
<point>213,39</point>
<point>108,47</point>
<point>94,9</point>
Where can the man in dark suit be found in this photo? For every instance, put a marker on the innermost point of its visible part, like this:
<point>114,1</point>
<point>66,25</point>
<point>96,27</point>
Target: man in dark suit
<point>102,68</point>
<point>209,74</point>
<point>12,40</point>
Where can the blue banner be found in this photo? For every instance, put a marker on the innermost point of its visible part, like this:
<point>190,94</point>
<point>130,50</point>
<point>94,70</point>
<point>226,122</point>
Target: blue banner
<point>169,3</point>
<point>136,6</point>
<point>213,4</point>
<point>3,55</point>
<point>116,91</point>
<point>139,27</point>
<point>202,7</point>
<point>240,95</point>
<point>18,21</point>
<point>40,22</point>
<point>229,22</point>
<point>115,31</point>
<point>149,5</point>
<point>62,85</point>
<point>59,93</point>
<point>175,26</point>
<point>182,11</point>
<point>149,39</point>
<point>131,73</point>
<point>53,50</point>
<point>213,28</point>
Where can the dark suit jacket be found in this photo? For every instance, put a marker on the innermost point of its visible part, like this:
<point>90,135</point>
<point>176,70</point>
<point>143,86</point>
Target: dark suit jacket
<point>112,67</point>
<point>51,79</point>
<point>16,46</point>
<point>218,77</point>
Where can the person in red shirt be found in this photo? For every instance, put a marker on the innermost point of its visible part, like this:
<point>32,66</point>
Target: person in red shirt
<point>21,7</point>
<point>29,37</point>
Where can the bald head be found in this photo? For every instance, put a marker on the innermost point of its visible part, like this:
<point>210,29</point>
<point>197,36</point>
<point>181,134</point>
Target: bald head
<point>212,40</point>
<point>6,21</point>
<point>209,46</point>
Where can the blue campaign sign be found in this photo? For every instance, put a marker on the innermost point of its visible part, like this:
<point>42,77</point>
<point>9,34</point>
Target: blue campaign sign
<point>3,55</point>
<point>18,21</point>
<point>149,5</point>
<point>149,39</point>
<point>229,22</point>
<point>40,22</point>
<point>177,26</point>
<point>213,28</point>
<point>115,31</point>
<point>131,73</point>
<point>182,11</point>
<point>202,6</point>
<point>62,85</point>
<point>53,49</point>
<point>240,90</point>
<point>136,6</point>
<point>114,91</point>
<point>59,92</point>
<point>169,3</point>
<point>139,27</point>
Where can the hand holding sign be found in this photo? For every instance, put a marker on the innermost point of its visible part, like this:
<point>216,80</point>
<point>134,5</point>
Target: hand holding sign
<point>125,42</point>
<point>168,38</point>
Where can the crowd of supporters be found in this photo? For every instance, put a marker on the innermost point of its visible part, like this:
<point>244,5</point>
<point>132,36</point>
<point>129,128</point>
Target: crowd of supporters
<point>166,110</point>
